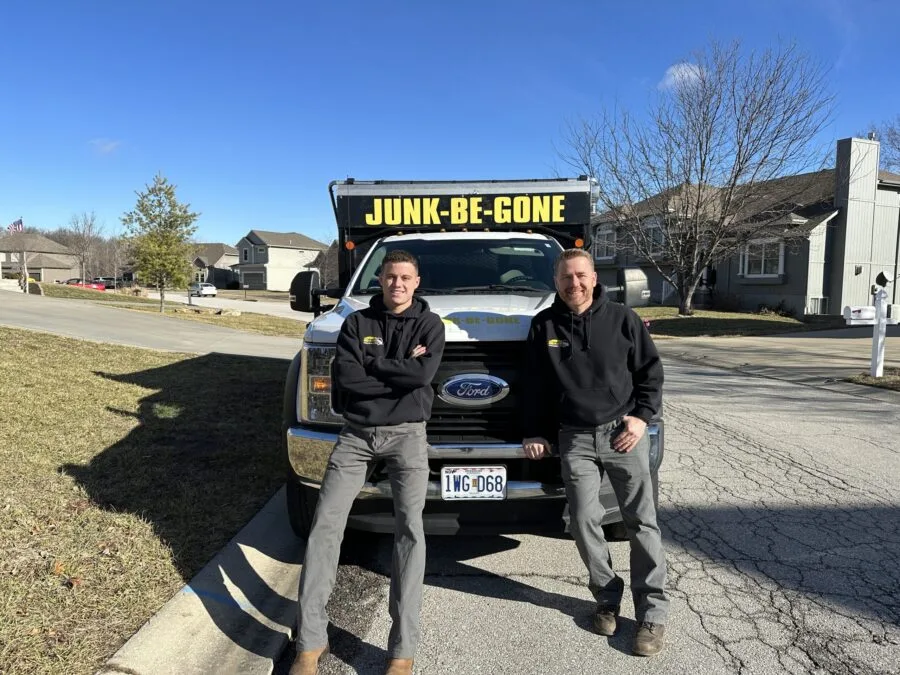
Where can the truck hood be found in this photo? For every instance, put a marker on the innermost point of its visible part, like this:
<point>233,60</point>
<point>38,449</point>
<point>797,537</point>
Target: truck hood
<point>467,318</point>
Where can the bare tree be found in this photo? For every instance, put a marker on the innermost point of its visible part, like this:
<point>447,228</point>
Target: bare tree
<point>889,135</point>
<point>694,179</point>
<point>83,237</point>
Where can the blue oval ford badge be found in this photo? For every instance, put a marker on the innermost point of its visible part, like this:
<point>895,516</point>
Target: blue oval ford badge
<point>473,389</point>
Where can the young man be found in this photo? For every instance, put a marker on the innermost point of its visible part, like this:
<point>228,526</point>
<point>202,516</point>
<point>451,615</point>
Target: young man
<point>387,355</point>
<point>595,365</point>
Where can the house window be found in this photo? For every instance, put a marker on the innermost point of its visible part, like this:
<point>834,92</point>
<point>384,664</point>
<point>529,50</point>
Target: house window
<point>605,244</point>
<point>656,238</point>
<point>246,254</point>
<point>762,258</point>
<point>260,249</point>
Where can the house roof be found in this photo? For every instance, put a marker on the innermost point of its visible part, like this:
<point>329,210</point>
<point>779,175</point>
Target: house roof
<point>210,254</point>
<point>285,240</point>
<point>889,177</point>
<point>42,260</point>
<point>32,243</point>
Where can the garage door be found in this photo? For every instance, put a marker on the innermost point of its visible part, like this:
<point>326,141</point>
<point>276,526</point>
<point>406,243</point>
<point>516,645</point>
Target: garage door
<point>254,279</point>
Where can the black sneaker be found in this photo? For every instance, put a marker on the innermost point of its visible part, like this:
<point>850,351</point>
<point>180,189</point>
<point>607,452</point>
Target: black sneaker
<point>649,639</point>
<point>605,619</point>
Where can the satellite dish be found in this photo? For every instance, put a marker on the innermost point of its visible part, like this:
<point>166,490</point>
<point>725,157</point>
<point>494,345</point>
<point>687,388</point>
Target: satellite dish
<point>881,280</point>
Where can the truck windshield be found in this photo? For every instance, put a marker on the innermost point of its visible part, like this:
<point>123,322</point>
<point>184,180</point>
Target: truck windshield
<point>448,267</point>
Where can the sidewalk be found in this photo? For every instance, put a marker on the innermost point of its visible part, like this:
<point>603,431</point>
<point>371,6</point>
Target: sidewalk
<point>820,359</point>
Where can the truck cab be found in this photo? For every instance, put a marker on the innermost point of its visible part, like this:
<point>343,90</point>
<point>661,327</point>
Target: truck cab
<point>486,253</point>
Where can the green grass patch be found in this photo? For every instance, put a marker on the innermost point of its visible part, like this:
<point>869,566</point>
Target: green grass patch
<point>122,472</point>
<point>264,324</point>
<point>666,322</point>
<point>889,380</point>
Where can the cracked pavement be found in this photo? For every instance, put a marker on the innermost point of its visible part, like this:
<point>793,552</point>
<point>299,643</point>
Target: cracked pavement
<point>779,507</point>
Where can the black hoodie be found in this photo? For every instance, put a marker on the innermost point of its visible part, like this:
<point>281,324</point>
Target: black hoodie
<point>374,380</point>
<point>587,369</point>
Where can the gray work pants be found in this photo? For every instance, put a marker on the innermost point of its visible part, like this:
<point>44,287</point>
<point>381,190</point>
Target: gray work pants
<point>586,454</point>
<point>403,448</point>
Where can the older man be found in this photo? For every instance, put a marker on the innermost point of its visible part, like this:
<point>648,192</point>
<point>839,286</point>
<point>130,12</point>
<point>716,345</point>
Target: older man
<point>595,382</point>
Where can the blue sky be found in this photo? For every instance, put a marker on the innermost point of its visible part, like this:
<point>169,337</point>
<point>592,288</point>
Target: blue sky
<point>252,108</point>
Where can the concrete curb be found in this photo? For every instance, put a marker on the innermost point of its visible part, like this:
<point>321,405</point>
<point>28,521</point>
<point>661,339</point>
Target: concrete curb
<point>235,616</point>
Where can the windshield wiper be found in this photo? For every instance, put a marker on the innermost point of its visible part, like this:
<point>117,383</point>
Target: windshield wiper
<point>490,288</point>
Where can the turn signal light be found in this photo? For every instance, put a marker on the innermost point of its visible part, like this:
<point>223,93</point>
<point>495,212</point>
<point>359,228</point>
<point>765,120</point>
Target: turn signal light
<point>579,243</point>
<point>349,245</point>
<point>319,384</point>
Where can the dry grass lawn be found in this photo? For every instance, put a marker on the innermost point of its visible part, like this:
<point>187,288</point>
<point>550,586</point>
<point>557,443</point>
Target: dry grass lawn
<point>122,472</point>
<point>665,322</point>
<point>76,293</point>
<point>889,380</point>
<point>265,324</point>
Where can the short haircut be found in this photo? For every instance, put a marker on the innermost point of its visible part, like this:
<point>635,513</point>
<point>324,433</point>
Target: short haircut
<point>570,253</point>
<point>400,256</point>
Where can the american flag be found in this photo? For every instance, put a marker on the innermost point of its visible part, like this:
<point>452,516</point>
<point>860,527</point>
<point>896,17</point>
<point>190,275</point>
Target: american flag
<point>16,226</point>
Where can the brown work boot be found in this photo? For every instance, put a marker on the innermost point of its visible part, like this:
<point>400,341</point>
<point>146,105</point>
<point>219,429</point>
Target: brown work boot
<point>307,663</point>
<point>606,619</point>
<point>399,667</point>
<point>649,639</point>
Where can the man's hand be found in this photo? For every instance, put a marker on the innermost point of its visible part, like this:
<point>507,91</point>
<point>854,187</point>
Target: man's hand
<point>535,448</point>
<point>418,351</point>
<point>629,437</point>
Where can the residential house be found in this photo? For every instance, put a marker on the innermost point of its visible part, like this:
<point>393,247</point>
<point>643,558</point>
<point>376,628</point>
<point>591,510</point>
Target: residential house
<point>841,227</point>
<point>45,259</point>
<point>270,260</point>
<point>214,264</point>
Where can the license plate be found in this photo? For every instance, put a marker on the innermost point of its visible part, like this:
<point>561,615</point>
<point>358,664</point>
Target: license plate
<point>473,482</point>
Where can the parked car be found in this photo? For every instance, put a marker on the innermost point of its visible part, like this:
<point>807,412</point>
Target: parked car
<point>202,290</point>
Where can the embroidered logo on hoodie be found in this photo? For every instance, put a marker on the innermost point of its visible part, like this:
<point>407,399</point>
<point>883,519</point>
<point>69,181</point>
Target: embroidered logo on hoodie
<point>553,342</point>
<point>373,340</point>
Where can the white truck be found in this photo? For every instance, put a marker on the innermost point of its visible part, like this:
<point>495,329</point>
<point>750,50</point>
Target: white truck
<point>486,251</point>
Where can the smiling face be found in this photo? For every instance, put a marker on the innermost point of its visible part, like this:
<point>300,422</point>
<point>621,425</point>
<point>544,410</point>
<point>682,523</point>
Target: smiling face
<point>399,280</point>
<point>575,280</point>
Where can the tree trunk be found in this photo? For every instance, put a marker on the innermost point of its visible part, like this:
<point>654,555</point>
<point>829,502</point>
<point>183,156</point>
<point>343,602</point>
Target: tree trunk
<point>686,296</point>
<point>162,297</point>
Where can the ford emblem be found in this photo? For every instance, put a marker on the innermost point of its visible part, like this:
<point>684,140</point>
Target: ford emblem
<point>473,389</point>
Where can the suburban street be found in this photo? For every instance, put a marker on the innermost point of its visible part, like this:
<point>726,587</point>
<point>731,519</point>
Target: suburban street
<point>779,508</point>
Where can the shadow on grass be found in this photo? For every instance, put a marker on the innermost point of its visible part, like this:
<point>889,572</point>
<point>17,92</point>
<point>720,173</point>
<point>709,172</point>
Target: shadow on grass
<point>204,459</point>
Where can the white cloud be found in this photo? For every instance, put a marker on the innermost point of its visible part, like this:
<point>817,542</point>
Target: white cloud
<point>680,75</point>
<point>104,146</point>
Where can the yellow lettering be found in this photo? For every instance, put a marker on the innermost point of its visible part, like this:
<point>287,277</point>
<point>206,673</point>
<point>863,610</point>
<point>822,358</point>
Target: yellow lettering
<point>376,217</point>
<point>559,205</point>
<point>540,208</point>
<point>458,215</point>
<point>502,213</point>
<point>430,211</point>
<point>521,210</point>
<point>393,214</point>
<point>475,210</point>
<point>412,211</point>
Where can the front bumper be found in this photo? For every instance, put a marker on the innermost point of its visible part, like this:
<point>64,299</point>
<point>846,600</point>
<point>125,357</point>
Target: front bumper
<point>308,452</point>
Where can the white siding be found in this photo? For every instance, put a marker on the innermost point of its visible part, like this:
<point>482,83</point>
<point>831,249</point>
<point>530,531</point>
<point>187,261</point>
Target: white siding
<point>283,265</point>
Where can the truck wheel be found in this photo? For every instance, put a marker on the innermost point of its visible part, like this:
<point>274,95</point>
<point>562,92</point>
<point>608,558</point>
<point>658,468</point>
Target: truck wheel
<point>301,505</point>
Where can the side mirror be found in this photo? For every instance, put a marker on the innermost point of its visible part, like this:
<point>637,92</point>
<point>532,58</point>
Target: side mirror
<point>304,292</point>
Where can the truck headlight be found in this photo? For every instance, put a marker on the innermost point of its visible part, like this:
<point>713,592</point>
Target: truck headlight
<point>314,385</point>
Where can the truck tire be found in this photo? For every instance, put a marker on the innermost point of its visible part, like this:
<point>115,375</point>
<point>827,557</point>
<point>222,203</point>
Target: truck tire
<point>301,506</point>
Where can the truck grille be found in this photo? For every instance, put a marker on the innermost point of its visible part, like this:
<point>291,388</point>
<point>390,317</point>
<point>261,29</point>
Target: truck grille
<point>498,422</point>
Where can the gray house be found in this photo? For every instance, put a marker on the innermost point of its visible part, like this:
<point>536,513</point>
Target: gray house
<point>45,260</point>
<point>843,228</point>
<point>213,264</point>
<point>269,260</point>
